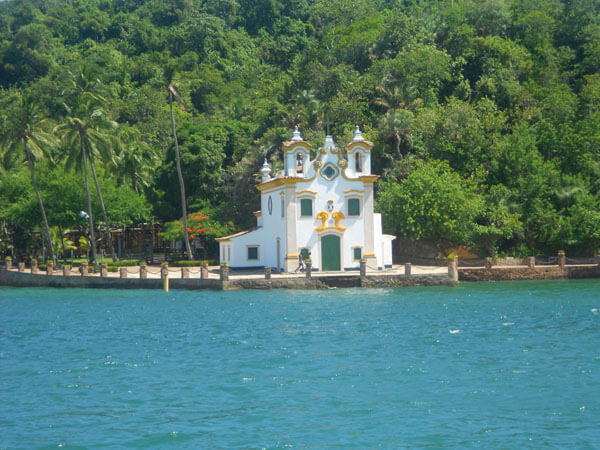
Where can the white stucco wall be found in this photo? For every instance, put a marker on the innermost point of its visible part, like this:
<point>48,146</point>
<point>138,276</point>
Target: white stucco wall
<point>329,195</point>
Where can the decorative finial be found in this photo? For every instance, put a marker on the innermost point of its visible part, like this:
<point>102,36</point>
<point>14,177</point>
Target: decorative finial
<point>266,171</point>
<point>358,135</point>
<point>296,135</point>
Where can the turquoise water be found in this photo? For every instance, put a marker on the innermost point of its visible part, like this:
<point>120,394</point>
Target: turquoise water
<point>503,365</point>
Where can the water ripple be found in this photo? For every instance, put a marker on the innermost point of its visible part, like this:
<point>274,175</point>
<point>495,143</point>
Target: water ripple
<point>483,365</point>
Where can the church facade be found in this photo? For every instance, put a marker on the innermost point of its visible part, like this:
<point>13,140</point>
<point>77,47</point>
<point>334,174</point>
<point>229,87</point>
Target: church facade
<point>321,208</point>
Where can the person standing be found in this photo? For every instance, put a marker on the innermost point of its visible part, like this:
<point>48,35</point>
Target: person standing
<point>300,263</point>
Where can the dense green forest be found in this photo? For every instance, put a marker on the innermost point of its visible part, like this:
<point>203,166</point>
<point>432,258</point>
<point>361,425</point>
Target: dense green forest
<point>485,114</point>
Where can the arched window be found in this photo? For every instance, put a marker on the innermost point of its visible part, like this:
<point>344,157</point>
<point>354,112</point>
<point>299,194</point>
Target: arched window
<point>358,162</point>
<point>299,163</point>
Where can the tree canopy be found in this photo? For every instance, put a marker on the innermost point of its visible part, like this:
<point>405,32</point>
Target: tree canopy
<point>485,114</point>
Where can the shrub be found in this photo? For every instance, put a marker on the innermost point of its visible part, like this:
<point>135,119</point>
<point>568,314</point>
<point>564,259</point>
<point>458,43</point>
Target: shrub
<point>185,263</point>
<point>125,263</point>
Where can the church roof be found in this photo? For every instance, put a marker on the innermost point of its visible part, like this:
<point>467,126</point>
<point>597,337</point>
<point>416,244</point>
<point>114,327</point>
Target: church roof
<point>231,236</point>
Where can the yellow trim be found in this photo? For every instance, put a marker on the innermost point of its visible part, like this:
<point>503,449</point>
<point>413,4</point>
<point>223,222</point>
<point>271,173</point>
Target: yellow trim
<point>338,216</point>
<point>306,191</point>
<point>317,164</point>
<point>290,145</point>
<point>231,236</point>
<point>257,213</point>
<point>349,191</point>
<point>289,181</point>
<point>276,183</point>
<point>368,178</point>
<point>272,191</point>
<point>366,145</point>
<point>324,215</point>
<point>280,189</point>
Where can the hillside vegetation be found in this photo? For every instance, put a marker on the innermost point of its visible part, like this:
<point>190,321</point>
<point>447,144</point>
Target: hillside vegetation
<point>485,114</point>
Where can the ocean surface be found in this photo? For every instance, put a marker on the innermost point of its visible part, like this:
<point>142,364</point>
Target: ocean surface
<point>498,365</point>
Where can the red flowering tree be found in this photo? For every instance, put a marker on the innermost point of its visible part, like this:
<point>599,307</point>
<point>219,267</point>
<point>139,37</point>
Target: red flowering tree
<point>200,228</point>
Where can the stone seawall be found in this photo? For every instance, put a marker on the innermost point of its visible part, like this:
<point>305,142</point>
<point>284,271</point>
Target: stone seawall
<point>326,282</point>
<point>20,279</point>
<point>514,273</point>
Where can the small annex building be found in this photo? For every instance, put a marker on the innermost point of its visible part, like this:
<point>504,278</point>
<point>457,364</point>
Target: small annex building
<point>322,207</point>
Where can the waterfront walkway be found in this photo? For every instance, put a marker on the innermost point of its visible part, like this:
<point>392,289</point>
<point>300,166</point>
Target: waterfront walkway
<point>222,278</point>
<point>154,272</point>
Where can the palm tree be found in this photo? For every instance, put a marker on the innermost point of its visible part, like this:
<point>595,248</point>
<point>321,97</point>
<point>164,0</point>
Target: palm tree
<point>25,130</point>
<point>393,94</point>
<point>397,126</point>
<point>168,78</point>
<point>85,134</point>
<point>136,159</point>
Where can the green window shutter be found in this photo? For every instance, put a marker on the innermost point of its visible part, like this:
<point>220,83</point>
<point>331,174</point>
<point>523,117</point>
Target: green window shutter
<point>353,207</point>
<point>357,253</point>
<point>252,252</point>
<point>306,207</point>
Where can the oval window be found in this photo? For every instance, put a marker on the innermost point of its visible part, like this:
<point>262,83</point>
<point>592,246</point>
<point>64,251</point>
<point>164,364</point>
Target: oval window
<point>270,205</point>
<point>329,172</point>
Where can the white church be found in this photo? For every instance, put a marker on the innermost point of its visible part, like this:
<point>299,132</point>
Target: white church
<point>322,208</point>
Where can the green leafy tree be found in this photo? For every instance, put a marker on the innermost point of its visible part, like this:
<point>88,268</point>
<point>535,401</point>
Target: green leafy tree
<point>199,226</point>
<point>86,136</point>
<point>136,160</point>
<point>25,132</point>
<point>433,202</point>
<point>397,126</point>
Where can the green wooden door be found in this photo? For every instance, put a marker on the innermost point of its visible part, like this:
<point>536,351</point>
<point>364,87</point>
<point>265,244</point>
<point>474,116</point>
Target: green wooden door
<point>330,252</point>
